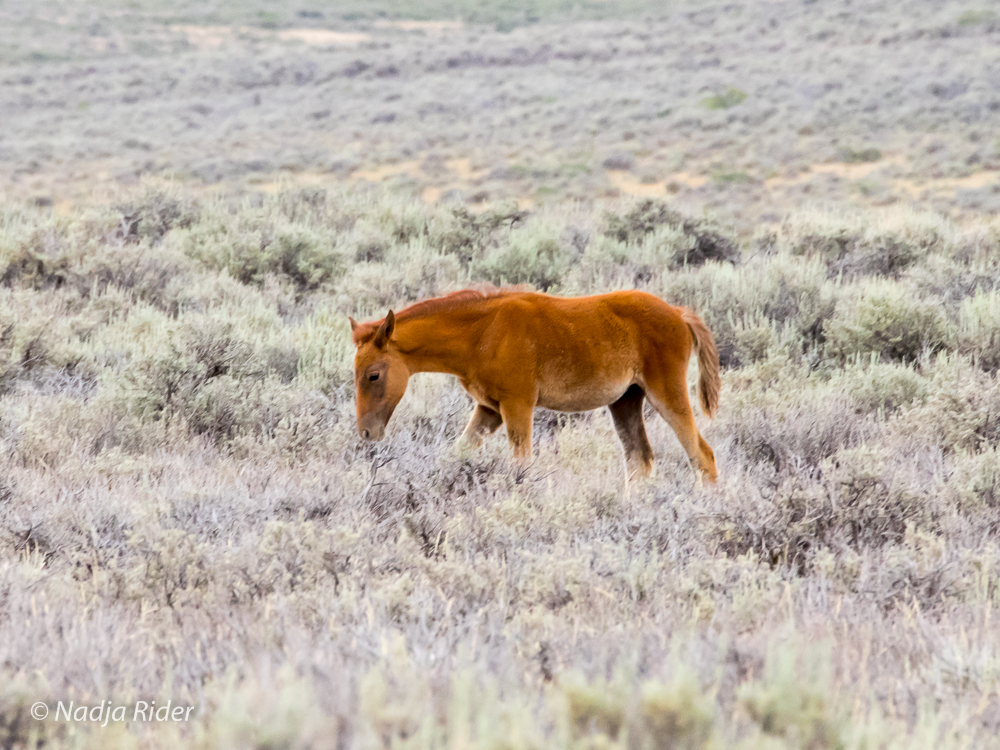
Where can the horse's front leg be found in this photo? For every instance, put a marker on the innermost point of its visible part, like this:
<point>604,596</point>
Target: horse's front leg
<point>517,416</point>
<point>484,422</point>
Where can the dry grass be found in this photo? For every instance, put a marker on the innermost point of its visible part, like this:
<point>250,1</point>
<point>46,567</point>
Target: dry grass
<point>186,512</point>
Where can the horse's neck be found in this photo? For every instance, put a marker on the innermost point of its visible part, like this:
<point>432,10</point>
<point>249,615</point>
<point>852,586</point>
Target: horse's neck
<point>439,342</point>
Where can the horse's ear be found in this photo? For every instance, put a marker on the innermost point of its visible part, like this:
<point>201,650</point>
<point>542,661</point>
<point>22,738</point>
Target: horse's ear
<point>354,328</point>
<point>385,330</point>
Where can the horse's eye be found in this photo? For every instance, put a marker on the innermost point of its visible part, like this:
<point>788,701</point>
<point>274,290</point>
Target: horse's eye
<point>373,377</point>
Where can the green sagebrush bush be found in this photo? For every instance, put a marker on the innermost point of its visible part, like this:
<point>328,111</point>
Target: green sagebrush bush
<point>796,703</point>
<point>942,277</point>
<point>372,288</point>
<point>529,256</point>
<point>47,338</point>
<point>156,275</point>
<point>886,319</point>
<point>251,248</point>
<point>757,308</point>
<point>62,427</point>
<point>17,726</point>
<point>610,261</point>
<point>878,387</point>
<point>35,251</point>
<point>674,713</point>
<point>87,258</point>
<point>782,412</point>
<point>217,375</point>
<point>978,332</point>
<point>728,98</point>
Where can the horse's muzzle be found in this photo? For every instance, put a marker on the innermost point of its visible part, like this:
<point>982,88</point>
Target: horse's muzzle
<point>372,433</point>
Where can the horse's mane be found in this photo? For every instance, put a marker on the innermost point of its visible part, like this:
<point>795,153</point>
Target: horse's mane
<point>439,304</point>
<point>455,299</point>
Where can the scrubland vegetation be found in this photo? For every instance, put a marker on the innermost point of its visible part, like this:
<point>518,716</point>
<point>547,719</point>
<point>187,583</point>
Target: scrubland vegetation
<point>193,197</point>
<point>187,512</point>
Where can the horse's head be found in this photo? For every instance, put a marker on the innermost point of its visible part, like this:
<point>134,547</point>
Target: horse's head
<point>380,375</point>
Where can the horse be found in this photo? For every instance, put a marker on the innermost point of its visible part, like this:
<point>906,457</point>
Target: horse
<point>514,350</point>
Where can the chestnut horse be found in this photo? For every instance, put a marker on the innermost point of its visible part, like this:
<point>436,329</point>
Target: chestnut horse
<point>514,350</point>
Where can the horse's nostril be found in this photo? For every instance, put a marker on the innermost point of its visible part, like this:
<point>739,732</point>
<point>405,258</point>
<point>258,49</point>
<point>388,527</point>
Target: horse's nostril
<point>364,434</point>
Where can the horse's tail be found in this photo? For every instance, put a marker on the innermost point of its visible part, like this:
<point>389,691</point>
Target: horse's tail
<point>708,362</point>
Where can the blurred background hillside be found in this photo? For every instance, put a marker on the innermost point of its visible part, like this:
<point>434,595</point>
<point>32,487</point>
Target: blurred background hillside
<point>748,109</point>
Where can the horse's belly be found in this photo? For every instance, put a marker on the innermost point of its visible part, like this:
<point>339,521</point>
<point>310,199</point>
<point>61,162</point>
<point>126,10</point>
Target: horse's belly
<point>582,398</point>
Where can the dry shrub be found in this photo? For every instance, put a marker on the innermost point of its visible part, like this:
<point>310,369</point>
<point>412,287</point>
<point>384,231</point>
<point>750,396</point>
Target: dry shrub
<point>883,255</point>
<point>796,434</point>
<point>961,412</point>
<point>861,498</point>
<point>155,275</point>
<point>470,236</point>
<point>295,556</point>
<point>975,485</point>
<point>705,241</point>
<point>33,256</point>
<point>176,570</point>
<point>151,215</point>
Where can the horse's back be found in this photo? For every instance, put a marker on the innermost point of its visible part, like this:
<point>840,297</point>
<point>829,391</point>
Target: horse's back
<point>628,318</point>
<point>631,304</point>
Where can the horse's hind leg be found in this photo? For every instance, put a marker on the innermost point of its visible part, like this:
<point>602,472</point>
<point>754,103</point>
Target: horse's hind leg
<point>669,396</point>
<point>627,414</point>
<point>484,422</point>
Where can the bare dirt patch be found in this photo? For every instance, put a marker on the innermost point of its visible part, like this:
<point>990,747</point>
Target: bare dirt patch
<point>431,27</point>
<point>628,184</point>
<point>205,37</point>
<point>324,37</point>
<point>410,168</point>
<point>212,37</point>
